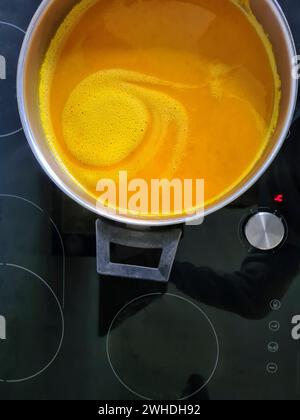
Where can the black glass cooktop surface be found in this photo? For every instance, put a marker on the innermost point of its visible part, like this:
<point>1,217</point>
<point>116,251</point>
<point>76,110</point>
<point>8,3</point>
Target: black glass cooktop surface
<point>226,326</point>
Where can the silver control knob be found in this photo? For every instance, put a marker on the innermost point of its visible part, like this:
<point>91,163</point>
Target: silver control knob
<point>265,231</point>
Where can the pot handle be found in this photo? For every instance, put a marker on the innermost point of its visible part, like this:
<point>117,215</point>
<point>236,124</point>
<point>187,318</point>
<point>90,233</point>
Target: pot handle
<point>166,240</point>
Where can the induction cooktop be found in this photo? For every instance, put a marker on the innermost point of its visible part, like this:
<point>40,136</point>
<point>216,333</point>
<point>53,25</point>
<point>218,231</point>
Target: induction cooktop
<point>225,327</point>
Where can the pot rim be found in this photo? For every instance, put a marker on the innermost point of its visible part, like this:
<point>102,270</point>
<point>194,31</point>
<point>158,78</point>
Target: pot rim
<point>139,221</point>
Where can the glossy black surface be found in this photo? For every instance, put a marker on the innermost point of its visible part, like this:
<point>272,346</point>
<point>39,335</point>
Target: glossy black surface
<point>221,329</point>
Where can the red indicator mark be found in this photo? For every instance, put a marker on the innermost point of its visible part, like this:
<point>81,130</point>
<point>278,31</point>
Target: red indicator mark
<point>278,198</point>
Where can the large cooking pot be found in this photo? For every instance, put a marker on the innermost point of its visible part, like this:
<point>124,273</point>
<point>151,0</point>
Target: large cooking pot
<point>128,231</point>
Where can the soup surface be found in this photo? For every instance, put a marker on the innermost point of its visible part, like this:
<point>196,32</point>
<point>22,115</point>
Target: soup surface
<point>184,89</point>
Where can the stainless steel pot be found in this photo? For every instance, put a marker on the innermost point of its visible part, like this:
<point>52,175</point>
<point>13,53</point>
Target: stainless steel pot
<point>41,30</point>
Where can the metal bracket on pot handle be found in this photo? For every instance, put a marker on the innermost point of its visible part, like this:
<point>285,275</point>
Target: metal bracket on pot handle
<point>164,239</point>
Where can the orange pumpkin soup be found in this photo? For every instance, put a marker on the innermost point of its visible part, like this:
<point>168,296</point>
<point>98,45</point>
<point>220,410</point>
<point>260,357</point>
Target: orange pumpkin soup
<point>183,89</point>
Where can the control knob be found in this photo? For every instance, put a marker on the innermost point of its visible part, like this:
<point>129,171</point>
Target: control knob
<point>265,230</point>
